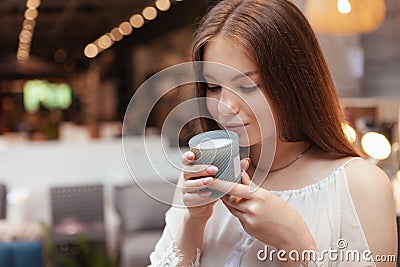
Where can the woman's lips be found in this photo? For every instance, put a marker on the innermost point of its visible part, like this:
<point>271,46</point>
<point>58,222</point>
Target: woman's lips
<point>235,127</point>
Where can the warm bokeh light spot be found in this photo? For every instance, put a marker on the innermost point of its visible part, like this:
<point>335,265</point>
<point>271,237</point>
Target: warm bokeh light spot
<point>343,6</point>
<point>350,133</point>
<point>116,35</point>
<point>376,145</point>
<point>125,28</point>
<point>91,51</point>
<point>149,13</point>
<point>25,36</point>
<point>163,5</point>
<point>137,21</point>
<point>31,13</point>
<point>32,3</point>
<point>105,42</point>
<point>29,24</point>
<point>22,55</point>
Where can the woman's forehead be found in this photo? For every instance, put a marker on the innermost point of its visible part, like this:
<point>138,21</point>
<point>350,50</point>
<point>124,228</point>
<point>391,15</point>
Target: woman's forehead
<point>219,72</point>
<point>226,53</point>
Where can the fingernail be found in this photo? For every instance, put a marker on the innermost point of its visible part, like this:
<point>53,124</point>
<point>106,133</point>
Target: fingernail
<point>208,180</point>
<point>205,194</point>
<point>248,163</point>
<point>189,156</point>
<point>211,169</point>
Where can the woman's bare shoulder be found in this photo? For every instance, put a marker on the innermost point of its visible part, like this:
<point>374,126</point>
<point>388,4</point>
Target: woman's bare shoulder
<point>366,175</point>
<point>372,195</point>
<point>368,184</point>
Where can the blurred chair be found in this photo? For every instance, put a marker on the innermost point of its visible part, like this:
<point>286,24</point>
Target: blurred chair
<point>142,221</point>
<point>77,210</point>
<point>21,254</point>
<point>3,202</point>
<point>84,203</point>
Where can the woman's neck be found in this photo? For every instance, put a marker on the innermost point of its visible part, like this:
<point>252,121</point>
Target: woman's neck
<point>285,152</point>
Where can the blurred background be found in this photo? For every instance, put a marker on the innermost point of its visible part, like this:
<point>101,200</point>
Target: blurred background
<point>68,69</point>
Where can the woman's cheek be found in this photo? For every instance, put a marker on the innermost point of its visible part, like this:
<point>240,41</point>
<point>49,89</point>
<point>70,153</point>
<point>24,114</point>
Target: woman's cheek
<point>212,107</point>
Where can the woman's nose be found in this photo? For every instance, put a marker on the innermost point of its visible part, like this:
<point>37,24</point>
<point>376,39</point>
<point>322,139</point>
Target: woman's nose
<point>228,102</point>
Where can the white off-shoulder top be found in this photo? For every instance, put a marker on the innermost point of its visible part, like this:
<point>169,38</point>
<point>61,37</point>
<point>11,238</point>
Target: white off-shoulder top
<point>326,207</point>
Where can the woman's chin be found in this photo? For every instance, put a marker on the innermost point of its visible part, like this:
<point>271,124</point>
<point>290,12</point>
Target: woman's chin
<point>244,141</point>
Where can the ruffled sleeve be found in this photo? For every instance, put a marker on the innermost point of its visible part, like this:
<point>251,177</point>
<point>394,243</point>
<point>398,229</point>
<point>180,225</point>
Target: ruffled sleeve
<point>166,253</point>
<point>173,257</point>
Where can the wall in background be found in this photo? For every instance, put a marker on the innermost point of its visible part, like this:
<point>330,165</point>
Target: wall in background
<point>382,56</point>
<point>366,65</point>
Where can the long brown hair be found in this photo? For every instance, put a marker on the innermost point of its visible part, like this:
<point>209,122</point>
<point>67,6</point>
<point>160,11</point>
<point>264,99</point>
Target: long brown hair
<point>291,66</point>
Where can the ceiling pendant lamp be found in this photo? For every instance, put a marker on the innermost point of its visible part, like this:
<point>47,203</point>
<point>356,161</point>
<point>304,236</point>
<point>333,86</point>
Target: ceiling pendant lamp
<point>345,17</point>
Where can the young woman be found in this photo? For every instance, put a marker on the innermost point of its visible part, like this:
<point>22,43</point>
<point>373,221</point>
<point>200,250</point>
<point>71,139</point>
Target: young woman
<point>319,194</point>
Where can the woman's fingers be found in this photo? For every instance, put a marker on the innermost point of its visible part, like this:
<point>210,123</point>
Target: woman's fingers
<point>188,158</point>
<point>196,184</point>
<point>196,171</point>
<point>240,204</point>
<point>193,171</point>
<point>230,188</point>
<point>245,178</point>
<point>245,163</point>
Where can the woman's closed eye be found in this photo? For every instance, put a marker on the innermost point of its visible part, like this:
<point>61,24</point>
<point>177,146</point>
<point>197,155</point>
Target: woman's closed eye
<point>213,87</point>
<point>248,89</point>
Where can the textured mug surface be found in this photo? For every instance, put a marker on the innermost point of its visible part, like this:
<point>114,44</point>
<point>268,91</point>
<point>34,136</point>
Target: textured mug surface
<point>221,149</point>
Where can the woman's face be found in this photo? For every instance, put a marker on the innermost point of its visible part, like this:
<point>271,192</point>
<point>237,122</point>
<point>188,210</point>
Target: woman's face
<point>235,98</point>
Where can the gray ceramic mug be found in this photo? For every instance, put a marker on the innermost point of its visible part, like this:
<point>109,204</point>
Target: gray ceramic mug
<point>221,149</point>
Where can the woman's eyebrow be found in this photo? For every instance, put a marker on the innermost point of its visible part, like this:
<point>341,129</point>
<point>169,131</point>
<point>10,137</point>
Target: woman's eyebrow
<point>239,76</point>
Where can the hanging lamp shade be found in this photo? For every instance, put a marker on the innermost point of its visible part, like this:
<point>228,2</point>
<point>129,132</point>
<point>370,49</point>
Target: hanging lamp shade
<point>345,17</point>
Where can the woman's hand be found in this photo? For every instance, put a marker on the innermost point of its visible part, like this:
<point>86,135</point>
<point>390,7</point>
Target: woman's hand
<point>264,215</point>
<point>197,177</point>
